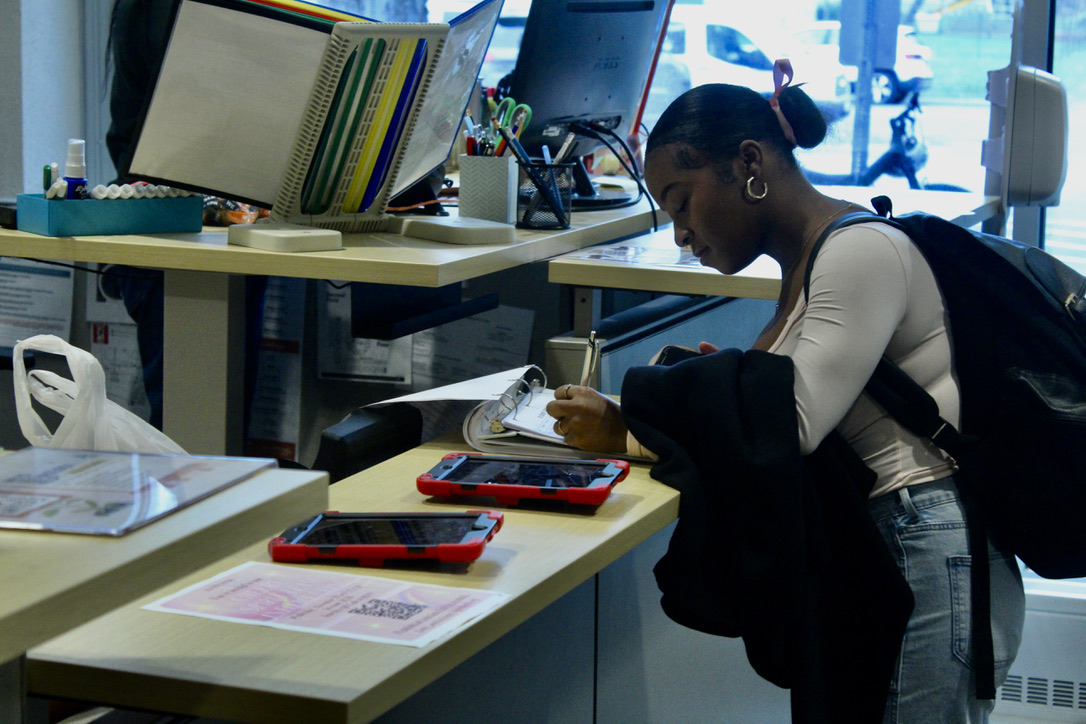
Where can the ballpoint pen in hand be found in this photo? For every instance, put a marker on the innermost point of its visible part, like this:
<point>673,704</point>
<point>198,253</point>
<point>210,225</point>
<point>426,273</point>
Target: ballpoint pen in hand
<point>591,359</point>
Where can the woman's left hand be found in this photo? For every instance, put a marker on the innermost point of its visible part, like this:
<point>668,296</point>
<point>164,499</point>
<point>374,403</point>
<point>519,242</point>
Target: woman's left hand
<point>587,419</point>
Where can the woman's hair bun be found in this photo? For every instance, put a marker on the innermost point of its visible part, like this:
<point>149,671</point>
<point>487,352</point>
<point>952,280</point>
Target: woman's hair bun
<point>808,123</point>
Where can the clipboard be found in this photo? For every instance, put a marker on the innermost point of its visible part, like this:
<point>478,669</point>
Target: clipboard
<point>509,417</point>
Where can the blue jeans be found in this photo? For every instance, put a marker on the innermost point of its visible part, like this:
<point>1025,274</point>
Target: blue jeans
<point>924,525</point>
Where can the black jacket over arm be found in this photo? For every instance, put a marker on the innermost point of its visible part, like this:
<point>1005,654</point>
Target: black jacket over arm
<point>769,546</point>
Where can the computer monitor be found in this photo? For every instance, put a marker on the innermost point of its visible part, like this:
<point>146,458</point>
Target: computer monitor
<point>585,61</point>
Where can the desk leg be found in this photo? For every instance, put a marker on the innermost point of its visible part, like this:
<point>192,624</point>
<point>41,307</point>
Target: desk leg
<point>13,690</point>
<point>587,303</point>
<point>203,364</point>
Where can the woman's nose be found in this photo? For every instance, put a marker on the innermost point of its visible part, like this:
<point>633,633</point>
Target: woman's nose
<point>682,236</point>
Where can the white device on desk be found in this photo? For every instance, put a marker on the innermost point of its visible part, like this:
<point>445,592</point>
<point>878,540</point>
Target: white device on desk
<point>453,229</point>
<point>280,236</point>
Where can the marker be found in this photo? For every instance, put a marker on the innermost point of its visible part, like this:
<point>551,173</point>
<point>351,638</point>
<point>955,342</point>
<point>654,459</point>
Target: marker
<point>564,149</point>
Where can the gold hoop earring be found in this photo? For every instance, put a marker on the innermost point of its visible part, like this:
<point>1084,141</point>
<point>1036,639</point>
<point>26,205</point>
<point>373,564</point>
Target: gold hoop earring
<point>750,191</point>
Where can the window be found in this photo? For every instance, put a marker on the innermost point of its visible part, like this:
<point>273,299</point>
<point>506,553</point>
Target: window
<point>675,39</point>
<point>1065,225</point>
<point>731,46</point>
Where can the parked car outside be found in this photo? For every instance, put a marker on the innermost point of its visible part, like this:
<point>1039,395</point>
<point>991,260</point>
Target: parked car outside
<point>911,71</point>
<point>719,51</point>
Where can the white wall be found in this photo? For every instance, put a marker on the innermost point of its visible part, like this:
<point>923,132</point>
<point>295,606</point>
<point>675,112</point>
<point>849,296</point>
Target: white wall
<point>41,84</point>
<point>11,103</point>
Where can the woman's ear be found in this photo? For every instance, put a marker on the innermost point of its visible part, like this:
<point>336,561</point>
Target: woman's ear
<point>750,156</point>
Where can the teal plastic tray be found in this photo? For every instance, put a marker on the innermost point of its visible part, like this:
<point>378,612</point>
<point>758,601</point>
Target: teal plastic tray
<point>94,217</point>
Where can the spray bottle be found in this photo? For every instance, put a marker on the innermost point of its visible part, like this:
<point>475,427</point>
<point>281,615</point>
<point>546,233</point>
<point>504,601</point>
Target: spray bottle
<point>75,170</point>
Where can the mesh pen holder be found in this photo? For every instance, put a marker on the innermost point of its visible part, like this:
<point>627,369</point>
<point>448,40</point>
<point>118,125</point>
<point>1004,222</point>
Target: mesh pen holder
<point>544,196</point>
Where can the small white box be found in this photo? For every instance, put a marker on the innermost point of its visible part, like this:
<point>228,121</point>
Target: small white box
<point>488,188</point>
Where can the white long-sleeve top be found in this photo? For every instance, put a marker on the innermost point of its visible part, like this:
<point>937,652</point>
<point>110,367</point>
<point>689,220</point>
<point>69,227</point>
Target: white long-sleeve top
<point>871,293</point>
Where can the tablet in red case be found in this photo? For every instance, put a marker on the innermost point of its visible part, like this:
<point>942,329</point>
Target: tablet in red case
<point>510,479</point>
<point>373,538</point>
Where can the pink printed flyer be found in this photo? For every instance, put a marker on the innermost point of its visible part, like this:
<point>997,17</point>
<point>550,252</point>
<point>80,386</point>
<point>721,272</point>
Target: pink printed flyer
<point>334,604</point>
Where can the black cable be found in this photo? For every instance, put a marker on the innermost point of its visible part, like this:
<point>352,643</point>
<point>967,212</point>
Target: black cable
<point>594,130</point>
<point>106,270</point>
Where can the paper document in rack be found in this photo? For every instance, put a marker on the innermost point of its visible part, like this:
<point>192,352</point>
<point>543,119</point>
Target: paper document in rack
<point>342,123</point>
<point>393,111</point>
<point>455,75</point>
<point>316,113</point>
<point>300,7</point>
<point>382,116</point>
<point>229,100</point>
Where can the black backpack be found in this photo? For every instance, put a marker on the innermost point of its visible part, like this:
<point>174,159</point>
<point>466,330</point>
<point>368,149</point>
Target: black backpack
<point>1018,329</point>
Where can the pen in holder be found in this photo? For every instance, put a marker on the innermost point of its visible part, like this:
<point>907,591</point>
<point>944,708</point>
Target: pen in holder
<point>544,198</point>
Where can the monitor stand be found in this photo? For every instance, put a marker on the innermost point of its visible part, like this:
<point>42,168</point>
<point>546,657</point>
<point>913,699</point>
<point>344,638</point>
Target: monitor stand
<point>587,196</point>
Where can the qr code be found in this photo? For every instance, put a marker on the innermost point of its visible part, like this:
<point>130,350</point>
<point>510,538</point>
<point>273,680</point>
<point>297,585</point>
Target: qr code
<point>389,609</point>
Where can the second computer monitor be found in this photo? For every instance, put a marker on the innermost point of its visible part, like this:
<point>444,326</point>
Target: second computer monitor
<point>585,61</point>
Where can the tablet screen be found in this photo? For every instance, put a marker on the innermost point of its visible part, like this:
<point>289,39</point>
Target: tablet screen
<point>542,474</point>
<point>332,531</point>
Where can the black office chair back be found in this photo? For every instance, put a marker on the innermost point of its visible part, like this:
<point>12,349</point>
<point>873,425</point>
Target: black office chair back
<point>367,436</point>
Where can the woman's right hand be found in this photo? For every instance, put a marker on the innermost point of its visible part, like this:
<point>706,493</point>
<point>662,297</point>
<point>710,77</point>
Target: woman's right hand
<point>587,419</point>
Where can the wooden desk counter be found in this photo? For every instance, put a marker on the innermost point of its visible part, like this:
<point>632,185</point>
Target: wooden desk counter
<point>374,257</point>
<point>204,295</point>
<point>143,659</point>
<point>53,582</point>
<point>652,262</point>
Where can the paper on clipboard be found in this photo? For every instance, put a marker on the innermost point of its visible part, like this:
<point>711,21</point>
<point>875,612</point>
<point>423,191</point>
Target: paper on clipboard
<point>518,396</point>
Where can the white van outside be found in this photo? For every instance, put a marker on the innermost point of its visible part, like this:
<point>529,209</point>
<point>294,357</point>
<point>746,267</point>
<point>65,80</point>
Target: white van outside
<point>714,50</point>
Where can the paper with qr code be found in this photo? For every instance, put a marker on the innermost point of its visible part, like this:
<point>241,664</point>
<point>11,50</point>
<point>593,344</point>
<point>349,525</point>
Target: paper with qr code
<point>335,604</point>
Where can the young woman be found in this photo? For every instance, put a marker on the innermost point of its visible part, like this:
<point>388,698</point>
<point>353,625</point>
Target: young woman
<point>720,161</point>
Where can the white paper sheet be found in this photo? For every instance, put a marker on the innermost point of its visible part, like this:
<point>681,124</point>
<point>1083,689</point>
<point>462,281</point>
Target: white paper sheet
<point>349,605</point>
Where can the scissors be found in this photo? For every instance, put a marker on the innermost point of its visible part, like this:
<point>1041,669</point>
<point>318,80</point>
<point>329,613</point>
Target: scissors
<point>514,116</point>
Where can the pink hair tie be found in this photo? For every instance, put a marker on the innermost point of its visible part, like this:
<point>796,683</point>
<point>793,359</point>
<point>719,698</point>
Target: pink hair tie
<point>782,76</point>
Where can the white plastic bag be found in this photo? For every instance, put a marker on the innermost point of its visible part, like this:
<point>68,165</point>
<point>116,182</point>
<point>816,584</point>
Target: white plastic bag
<point>91,421</point>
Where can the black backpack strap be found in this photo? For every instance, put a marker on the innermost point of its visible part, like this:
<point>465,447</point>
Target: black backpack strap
<point>917,411</point>
<point>912,406</point>
<point>905,400</point>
